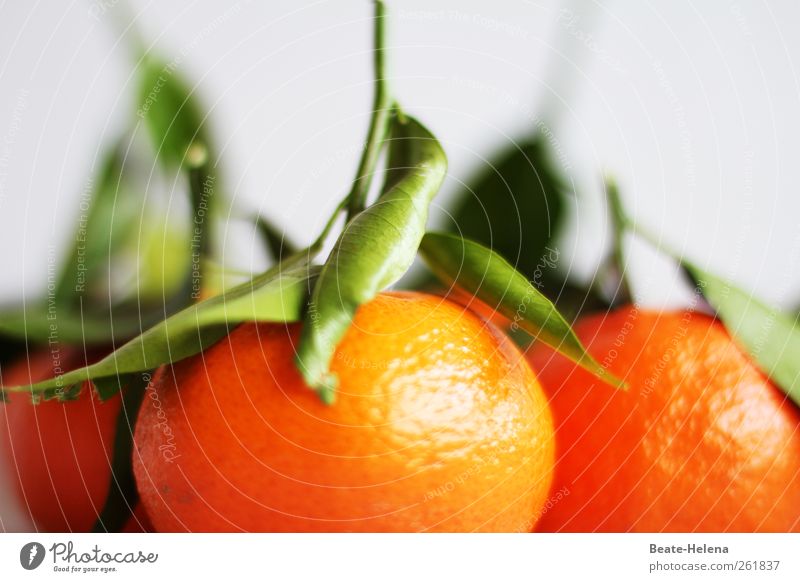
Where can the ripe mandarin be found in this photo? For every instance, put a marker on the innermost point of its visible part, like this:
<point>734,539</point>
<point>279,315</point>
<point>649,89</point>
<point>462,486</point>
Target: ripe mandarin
<point>58,452</point>
<point>701,440</point>
<point>438,425</point>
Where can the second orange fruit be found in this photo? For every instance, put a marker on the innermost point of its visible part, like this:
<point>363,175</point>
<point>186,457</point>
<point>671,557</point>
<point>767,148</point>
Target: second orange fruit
<point>700,441</point>
<point>439,425</point>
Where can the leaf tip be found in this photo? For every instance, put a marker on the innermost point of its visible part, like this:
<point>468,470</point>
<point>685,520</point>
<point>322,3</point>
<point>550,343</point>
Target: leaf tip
<point>322,381</point>
<point>327,390</point>
<point>601,372</point>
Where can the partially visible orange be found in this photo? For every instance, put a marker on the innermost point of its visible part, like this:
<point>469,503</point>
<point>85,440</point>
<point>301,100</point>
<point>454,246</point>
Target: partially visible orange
<point>439,425</point>
<point>58,453</point>
<point>701,441</point>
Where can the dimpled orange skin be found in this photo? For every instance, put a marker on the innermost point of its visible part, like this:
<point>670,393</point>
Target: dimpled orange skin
<point>58,452</point>
<point>438,425</point>
<point>701,441</point>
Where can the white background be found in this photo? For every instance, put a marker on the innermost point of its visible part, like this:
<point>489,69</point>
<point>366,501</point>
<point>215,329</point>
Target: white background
<point>694,106</point>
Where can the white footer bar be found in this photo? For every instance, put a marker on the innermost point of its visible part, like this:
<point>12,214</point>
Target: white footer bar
<point>376,557</point>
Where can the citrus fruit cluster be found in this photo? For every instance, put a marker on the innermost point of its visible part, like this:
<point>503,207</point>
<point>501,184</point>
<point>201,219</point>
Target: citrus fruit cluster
<point>440,424</point>
<point>309,398</point>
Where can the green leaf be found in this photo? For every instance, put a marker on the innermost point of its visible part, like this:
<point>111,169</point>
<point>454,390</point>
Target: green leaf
<point>572,298</point>
<point>109,387</point>
<point>278,245</point>
<point>76,312</point>
<point>170,110</point>
<point>122,493</point>
<point>376,248</point>
<point>771,337</point>
<point>66,394</point>
<point>277,295</point>
<point>489,277</point>
<point>104,226</point>
<point>515,205</point>
<point>41,322</point>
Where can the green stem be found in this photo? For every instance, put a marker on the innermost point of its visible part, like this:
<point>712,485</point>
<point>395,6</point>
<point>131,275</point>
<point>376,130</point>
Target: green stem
<point>123,20</point>
<point>658,244</point>
<point>623,223</point>
<point>379,123</point>
<point>201,188</point>
<point>619,221</point>
<point>122,494</point>
<point>619,226</point>
<point>314,248</point>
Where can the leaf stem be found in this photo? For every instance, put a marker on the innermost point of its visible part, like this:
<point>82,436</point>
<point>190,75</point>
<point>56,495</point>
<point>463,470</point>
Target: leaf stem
<point>619,226</point>
<point>314,248</point>
<point>656,242</point>
<point>201,188</point>
<point>622,223</point>
<point>379,123</point>
<point>122,494</point>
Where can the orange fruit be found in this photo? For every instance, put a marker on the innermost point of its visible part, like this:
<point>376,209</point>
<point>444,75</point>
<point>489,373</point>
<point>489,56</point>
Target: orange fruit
<point>57,452</point>
<point>700,441</point>
<point>438,425</point>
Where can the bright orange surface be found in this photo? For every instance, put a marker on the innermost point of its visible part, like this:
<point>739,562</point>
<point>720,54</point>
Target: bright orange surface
<point>701,441</point>
<point>439,425</point>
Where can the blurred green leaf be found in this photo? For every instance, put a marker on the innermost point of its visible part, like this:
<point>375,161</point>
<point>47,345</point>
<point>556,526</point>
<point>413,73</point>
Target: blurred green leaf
<point>42,322</point>
<point>278,245</point>
<point>170,110</point>
<point>106,221</point>
<point>486,275</point>
<point>771,337</point>
<point>571,298</point>
<point>375,249</point>
<point>277,295</point>
<point>515,205</point>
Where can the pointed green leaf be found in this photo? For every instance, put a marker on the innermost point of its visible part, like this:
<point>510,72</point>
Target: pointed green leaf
<point>572,298</point>
<point>771,337</point>
<point>515,205</point>
<point>376,248</point>
<point>277,295</point>
<point>489,277</point>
